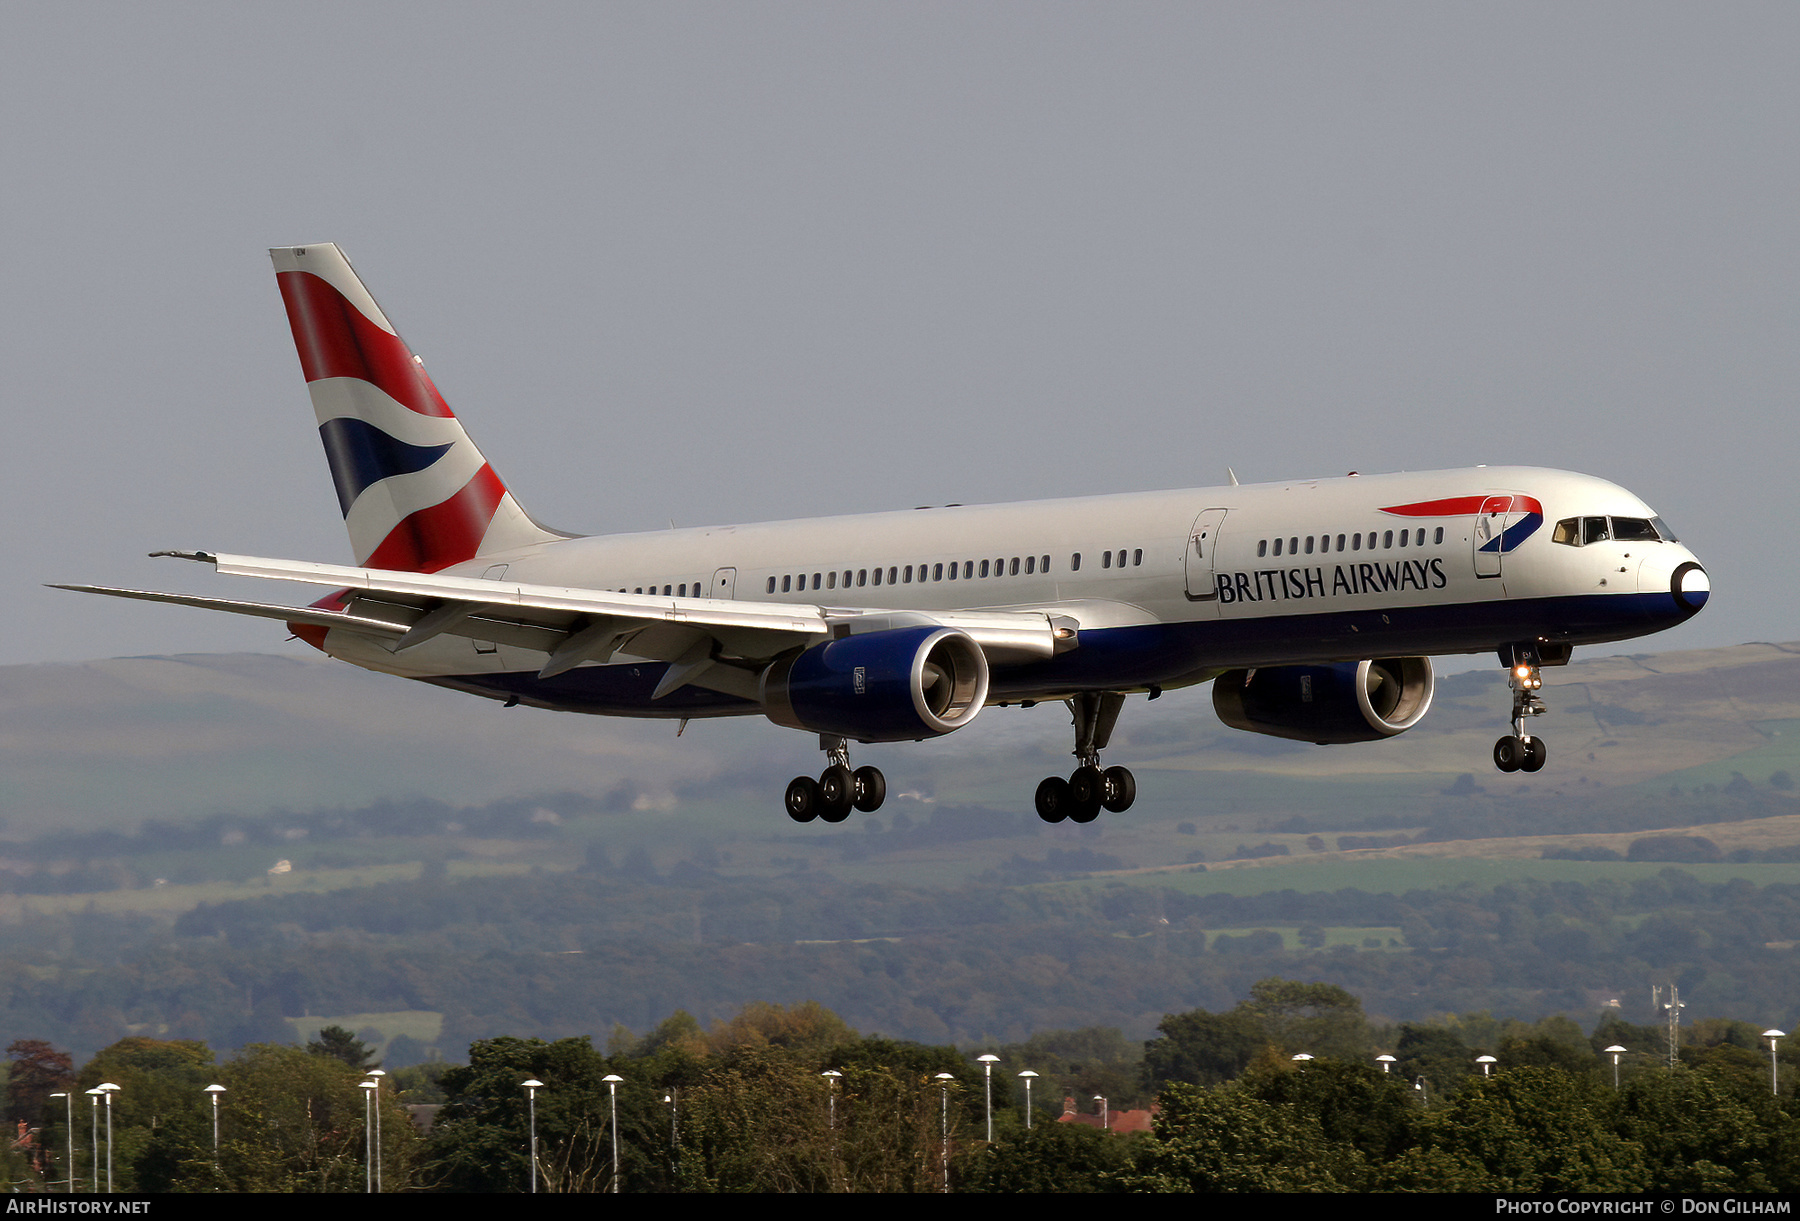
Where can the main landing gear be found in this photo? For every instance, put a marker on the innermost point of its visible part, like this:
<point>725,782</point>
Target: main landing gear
<point>1522,752</point>
<point>838,789</point>
<point>1081,797</point>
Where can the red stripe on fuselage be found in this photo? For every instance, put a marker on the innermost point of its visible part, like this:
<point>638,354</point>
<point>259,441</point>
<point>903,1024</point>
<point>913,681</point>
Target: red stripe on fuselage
<point>1465,506</point>
<point>444,534</point>
<point>335,339</point>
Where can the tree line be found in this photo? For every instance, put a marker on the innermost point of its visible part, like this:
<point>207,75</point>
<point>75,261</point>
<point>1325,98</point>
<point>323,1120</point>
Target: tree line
<point>1279,1092</point>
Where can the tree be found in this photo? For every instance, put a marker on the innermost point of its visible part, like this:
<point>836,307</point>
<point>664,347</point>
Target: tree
<point>1059,1158</point>
<point>35,1070</point>
<point>1225,1139</point>
<point>293,1122</point>
<point>1202,1048</point>
<point>1531,1130</point>
<point>341,1044</point>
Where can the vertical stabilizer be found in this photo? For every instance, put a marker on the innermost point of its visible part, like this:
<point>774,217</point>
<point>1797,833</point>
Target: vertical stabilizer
<point>416,494</point>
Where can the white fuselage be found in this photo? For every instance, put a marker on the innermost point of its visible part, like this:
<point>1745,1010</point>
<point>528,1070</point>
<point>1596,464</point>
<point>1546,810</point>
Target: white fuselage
<point>1167,588</point>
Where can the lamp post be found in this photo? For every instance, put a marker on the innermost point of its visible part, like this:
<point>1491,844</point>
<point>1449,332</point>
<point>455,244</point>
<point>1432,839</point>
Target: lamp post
<point>987,1068</point>
<point>1386,1061</point>
<point>1105,1109</point>
<point>832,1077</point>
<point>375,1075</point>
<point>531,1087</point>
<point>368,1088</point>
<point>69,1124</point>
<point>1486,1062</point>
<point>1773,1036</point>
<point>109,1089</point>
<point>1615,1051</point>
<point>1029,1076</point>
<point>944,1080</point>
<point>214,1091</point>
<point>94,1144</point>
<point>672,1100</point>
<point>612,1093</point>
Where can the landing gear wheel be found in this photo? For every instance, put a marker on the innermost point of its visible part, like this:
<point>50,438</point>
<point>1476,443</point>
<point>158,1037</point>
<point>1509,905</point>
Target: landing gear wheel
<point>1087,789</point>
<point>803,799</point>
<point>1121,790</point>
<point>1537,753</point>
<point>1509,754</point>
<point>837,789</point>
<point>871,789</point>
<point>1053,799</point>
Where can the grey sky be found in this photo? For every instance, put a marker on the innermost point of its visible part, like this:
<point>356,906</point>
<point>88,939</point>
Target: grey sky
<point>735,262</point>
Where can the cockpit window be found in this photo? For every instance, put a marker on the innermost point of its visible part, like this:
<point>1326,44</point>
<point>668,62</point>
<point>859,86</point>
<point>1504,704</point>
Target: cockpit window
<point>1575,531</point>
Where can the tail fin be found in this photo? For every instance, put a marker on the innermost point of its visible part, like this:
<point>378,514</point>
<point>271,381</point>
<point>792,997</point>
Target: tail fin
<point>417,495</point>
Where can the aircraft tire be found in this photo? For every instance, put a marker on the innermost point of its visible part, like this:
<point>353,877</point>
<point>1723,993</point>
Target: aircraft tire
<point>1053,799</point>
<point>1509,753</point>
<point>1087,789</point>
<point>1121,789</point>
<point>1537,753</point>
<point>837,792</point>
<point>803,799</point>
<point>871,789</point>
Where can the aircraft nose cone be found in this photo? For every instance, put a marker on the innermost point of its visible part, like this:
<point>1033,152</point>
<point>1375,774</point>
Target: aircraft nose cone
<point>1690,586</point>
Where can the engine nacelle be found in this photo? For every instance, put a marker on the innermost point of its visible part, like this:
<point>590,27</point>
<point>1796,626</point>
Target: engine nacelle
<point>1351,701</point>
<point>894,686</point>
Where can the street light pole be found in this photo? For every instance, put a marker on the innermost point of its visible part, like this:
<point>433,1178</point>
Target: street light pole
<point>987,1067</point>
<point>1028,1075</point>
<point>1773,1036</point>
<point>214,1091</point>
<point>612,1088</point>
<point>1615,1051</point>
<point>531,1087</point>
<point>375,1075</point>
<point>69,1124</point>
<point>944,1080</point>
<point>94,1098</point>
<point>109,1089</point>
<point>368,1088</point>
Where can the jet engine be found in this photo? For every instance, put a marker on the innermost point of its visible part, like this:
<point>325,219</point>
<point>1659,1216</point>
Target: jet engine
<point>1350,701</point>
<point>899,685</point>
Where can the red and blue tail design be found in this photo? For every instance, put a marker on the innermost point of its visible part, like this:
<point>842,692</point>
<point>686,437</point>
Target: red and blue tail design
<point>416,494</point>
<point>1523,512</point>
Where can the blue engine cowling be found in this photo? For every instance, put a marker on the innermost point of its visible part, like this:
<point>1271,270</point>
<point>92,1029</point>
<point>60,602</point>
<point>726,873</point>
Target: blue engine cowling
<point>1350,701</point>
<point>894,686</point>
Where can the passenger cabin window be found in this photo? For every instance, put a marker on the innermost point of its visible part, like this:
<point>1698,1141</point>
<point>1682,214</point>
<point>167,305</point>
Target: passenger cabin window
<point>1075,562</point>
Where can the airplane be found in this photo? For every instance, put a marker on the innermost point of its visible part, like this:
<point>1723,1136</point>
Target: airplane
<point>1312,606</point>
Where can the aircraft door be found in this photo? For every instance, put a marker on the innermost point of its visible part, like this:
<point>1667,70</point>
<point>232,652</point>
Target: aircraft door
<point>724,584</point>
<point>1202,553</point>
<point>1491,521</point>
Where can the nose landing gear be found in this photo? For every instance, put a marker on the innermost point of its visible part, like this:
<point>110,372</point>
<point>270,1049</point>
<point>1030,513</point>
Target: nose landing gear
<point>838,790</point>
<point>1089,789</point>
<point>1521,751</point>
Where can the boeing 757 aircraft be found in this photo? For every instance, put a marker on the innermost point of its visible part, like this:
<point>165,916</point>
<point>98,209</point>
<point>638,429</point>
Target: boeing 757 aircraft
<point>1312,606</point>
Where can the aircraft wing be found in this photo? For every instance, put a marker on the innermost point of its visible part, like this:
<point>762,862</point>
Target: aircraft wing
<point>715,643</point>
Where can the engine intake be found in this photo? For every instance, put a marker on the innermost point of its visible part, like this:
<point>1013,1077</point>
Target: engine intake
<point>894,686</point>
<point>1351,701</point>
